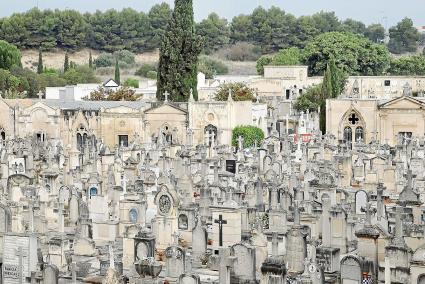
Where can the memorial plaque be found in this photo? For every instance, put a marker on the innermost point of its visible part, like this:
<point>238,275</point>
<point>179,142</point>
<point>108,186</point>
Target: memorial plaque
<point>18,259</point>
<point>231,166</point>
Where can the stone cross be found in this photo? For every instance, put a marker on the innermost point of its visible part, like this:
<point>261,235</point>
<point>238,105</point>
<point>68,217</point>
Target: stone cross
<point>220,221</point>
<point>111,255</point>
<point>369,211</point>
<point>226,264</point>
<point>189,135</point>
<point>240,143</point>
<point>166,95</point>
<point>74,272</point>
<point>398,222</point>
<point>275,244</point>
<point>21,254</point>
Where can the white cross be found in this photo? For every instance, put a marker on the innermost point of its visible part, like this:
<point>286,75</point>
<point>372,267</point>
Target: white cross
<point>166,94</point>
<point>21,254</point>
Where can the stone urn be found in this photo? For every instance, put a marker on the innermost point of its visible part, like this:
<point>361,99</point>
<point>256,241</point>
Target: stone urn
<point>148,267</point>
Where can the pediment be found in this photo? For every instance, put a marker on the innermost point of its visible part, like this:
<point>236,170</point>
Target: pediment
<point>39,105</point>
<point>166,109</point>
<point>121,109</point>
<point>403,103</point>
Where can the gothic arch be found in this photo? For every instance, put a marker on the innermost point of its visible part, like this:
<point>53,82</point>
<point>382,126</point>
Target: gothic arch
<point>352,126</point>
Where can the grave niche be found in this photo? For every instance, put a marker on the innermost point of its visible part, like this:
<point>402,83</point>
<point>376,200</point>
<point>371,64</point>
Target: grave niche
<point>231,166</point>
<point>144,245</point>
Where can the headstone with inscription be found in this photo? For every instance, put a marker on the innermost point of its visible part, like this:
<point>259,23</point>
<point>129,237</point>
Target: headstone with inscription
<point>19,258</point>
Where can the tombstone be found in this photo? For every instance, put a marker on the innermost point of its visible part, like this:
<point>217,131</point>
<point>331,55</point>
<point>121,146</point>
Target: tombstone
<point>361,201</point>
<point>175,261</point>
<point>199,243</point>
<point>244,268</point>
<point>351,272</point>
<point>19,258</point>
<point>51,274</point>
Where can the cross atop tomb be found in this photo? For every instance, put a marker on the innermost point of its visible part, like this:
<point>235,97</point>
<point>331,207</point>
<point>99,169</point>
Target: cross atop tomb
<point>21,254</point>
<point>166,95</point>
<point>240,143</point>
<point>369,211</point>
<point>220,221</point>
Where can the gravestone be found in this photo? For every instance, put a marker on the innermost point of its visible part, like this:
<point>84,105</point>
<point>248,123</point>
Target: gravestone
<point>361,201</point>
<point>244,268</point>
<point>350,270</point>
<point>19,258</point>
<point>51,274</point>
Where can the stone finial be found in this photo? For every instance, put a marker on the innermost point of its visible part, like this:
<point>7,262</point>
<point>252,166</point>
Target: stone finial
<point>166,95</point>
<point>191,98</point>
<point>230,98</point>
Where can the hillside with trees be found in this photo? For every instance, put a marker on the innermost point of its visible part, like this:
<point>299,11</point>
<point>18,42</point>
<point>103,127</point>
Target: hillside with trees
<point>270,30</point>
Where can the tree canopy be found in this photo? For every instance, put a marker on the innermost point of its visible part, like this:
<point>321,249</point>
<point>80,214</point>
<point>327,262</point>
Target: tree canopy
<point>270,29</point>
<point>353,54</point>
<point>9,55</point>
<point>408,65</point>
<point>404,37</point>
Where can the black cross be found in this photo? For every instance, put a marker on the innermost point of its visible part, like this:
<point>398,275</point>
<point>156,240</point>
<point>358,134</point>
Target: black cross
<point>220,223</point>
<point>353,119</point>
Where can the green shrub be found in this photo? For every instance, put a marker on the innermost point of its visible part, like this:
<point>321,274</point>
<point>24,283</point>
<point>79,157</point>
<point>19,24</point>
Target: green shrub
<point>152,75</point>
<point>241,51</point>
<point>145,68</point>
<point>251,135</point>
<point>131,82</point>
<point>125,58</point>
<point>104,60</point>
<point>211,67</point>
<point>240,92</point>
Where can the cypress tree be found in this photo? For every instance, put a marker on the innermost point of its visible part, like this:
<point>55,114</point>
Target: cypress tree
<point>337,78</point>
<point>326,93</point>
<point>66,63</point>
<point>179,51</point>
<point>117,73</point>
<point>90,61</point>
<point>40,62</point>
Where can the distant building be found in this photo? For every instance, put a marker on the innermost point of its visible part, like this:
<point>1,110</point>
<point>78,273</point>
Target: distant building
<point>147,89</point>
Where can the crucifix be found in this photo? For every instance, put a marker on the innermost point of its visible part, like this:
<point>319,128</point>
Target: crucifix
<point>21,254</point>
<point>220,221</point>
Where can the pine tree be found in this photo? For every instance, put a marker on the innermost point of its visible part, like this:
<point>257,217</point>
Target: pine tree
<point>40,62</point>
<point>66,63</point>
<point>90,61</point>
<point>179,51</point>
<point>117,73</point>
